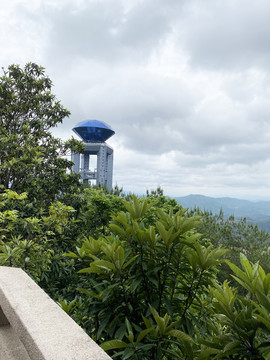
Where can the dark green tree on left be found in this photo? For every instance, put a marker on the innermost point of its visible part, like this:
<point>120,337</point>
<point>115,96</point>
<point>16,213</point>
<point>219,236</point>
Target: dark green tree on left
<point>32,160</point>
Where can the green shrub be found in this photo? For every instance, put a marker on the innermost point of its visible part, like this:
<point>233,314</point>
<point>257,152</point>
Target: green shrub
<point>147,295</point>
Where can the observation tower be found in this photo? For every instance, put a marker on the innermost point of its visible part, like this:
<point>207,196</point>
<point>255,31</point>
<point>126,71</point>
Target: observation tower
<point>96,163</point>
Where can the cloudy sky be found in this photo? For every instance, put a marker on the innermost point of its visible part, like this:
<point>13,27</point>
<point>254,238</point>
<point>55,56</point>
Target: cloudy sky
<point>185,84</point>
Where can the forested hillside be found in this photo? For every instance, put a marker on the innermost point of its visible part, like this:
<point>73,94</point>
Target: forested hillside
<point>146,278</point>
<point>256,212</point>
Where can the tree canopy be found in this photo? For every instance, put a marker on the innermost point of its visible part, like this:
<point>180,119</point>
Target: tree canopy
<point>31,158</point>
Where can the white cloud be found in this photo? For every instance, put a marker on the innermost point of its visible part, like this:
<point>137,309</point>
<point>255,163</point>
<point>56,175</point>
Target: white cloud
<point>227,35</point>
<point>185,85</point>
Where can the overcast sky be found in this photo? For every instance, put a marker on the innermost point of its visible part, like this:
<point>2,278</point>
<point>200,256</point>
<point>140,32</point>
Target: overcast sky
<point>184,84</point>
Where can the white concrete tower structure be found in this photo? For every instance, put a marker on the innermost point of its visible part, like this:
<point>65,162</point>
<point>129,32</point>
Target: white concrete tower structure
<point>94,133</point>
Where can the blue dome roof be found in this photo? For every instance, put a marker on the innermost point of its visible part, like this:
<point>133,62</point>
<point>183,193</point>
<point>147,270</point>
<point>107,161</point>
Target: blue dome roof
<point>93,131</point>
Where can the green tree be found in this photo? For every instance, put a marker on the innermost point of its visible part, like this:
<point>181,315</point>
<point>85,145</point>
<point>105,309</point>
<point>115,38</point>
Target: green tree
<point>32,160</point>
<point>37,243</point>
<point>237,235</point>
<point>97,208</point>
<point>242,327</point>
<point>24,242</point>
<point>145,285</point>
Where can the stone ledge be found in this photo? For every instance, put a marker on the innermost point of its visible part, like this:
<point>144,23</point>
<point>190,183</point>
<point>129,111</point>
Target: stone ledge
<point>44,329</point>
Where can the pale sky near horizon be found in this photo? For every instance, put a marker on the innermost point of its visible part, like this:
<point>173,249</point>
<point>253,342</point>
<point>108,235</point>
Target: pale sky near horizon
<point>184,84</point>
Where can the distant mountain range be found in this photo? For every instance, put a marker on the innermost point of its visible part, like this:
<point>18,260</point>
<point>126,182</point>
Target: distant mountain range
<point>255,212</point>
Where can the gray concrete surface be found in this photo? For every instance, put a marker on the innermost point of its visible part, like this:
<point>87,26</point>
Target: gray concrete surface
<point>11,348</point>
<point>39,324</point>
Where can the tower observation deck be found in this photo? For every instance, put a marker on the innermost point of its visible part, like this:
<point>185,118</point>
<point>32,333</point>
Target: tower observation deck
<point>93,134</point>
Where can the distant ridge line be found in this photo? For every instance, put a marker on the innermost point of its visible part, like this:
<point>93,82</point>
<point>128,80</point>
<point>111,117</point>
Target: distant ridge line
<point>252,210</point>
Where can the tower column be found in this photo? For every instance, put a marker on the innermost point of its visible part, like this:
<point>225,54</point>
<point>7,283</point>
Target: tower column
<point>76,158</point>
<point>109,170</point>
<point>101,165</point>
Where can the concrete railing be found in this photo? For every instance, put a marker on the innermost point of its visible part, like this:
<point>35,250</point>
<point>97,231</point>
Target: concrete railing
<point>34,327</point>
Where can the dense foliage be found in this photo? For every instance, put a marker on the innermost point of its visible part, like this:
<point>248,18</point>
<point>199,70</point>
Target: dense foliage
<point>135,271</point>
<point>140,275</point>
<point>146,287</point>
<point>237,235</point>
<point>32,159</point>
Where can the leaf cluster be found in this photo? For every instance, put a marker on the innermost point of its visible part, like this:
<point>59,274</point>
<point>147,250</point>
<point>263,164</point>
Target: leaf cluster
<point>154,279</point>
<point>242,326</point>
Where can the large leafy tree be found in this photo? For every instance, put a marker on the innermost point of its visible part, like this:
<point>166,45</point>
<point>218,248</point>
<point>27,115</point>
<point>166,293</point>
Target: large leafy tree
<point>31,158</point>
<point>154,277</point>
